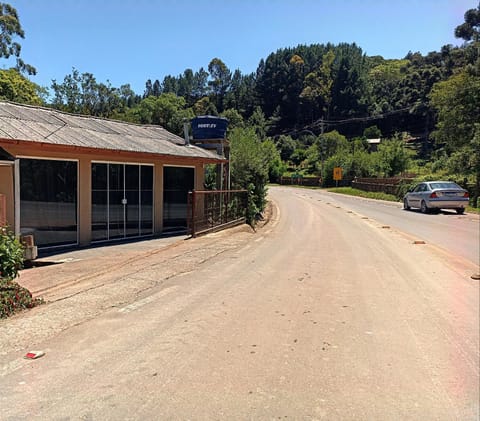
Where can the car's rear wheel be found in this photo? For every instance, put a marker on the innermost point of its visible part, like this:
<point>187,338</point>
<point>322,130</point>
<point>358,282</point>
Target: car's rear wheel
<point>460,210</point>
<point>423,207</point>
<point>406,206</point>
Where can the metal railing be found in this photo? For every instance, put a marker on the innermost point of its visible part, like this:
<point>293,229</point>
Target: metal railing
<point>210,210</point>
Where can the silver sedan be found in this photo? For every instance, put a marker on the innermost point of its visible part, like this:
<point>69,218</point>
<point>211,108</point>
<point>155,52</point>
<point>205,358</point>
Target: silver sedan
<point>436,195</point>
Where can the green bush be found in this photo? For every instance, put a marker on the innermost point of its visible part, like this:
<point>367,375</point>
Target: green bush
<point>404,187</point>
<point>13,297</point>
<point>250,161</point>
<point>11,255</point>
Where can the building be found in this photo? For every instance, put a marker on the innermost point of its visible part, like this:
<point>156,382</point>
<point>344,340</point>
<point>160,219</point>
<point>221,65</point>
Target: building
<point>373,144</point>
<point>72,180</point>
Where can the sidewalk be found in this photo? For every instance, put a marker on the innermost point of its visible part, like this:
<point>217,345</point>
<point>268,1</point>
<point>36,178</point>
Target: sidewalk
<point>55,272</point>
<point>59,276</point>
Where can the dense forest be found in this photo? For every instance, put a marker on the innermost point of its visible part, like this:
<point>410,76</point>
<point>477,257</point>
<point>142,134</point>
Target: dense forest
<point>307,108</point>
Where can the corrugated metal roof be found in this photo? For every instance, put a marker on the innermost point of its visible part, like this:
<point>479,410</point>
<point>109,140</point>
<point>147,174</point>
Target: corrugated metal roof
<point>36,124</point>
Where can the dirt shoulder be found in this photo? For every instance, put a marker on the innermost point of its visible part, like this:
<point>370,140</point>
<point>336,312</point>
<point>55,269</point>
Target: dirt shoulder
<point>85,283</point>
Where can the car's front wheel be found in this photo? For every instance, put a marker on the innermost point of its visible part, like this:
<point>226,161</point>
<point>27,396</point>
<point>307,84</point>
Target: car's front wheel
<point>423,207</point>
<point>406,206</point>
<point>460,211</point>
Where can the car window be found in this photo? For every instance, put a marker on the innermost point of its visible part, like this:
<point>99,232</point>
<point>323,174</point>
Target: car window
<point>418,188</point>
<point>446,185</point>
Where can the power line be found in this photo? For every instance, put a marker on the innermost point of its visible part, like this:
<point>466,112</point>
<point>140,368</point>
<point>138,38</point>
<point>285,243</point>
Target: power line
<point>321,123</point>
<point>358,119</point>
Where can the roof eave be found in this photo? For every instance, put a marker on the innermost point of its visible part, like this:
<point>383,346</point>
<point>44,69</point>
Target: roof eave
<point>88,150</point>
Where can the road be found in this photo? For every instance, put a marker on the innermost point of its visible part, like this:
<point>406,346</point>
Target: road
<point>457,234</point>
<point>321,314</point>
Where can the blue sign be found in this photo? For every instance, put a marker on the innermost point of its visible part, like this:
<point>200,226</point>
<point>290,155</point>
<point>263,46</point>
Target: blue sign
<point>209,127</point>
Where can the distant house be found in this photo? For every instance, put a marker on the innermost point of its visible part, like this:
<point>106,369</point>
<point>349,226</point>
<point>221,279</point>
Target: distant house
<point>373,144</point>
<point>73,180</point>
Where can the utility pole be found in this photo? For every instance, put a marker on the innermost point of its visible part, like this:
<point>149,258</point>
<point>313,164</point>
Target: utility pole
<point>322,147</point>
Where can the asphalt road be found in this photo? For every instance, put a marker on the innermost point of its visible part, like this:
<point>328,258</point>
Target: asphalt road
<point>457,234</point>
<point>321,314</point>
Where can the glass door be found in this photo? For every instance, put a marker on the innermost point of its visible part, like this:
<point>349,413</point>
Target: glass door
<point>122,201</point>
<point>146,200</point>
<point>177,182</point>
<point>132,200</point>
<point>116,200</point>
<point>99,202</point>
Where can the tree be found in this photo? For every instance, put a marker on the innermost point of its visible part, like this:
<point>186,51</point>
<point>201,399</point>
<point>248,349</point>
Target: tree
<point>204,106</point>
<point>372,132</point>
<point>318,87</point>
<point>81,93</point>
<point>457,101</point>
<point>220,81</point>
<point>127,96</point>
<point>383,80</point>
<point>286,146</point>
<point>234,118</point>
<point>470,29</point>
<point>276,167</point>
<point>298,156</point>
<point>156,88</point>
<point>166,110</point>
<point>9,29</point>
<point>241,93</point>
<point>15,87</point>
<point>332,143</point>
<point>199,84</point>
<point>258,122</point>
<point>249,168</point>
<point>170,85</point>
<point>323,147</point>
<point>148,89</point>
<point>349,95</point>
<point>392,157</point>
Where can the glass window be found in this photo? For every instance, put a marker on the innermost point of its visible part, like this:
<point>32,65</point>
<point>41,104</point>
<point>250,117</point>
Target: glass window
<point>48,201</point>
<point>177,182</point>
<point>99,202</point>
<point>446,185</point>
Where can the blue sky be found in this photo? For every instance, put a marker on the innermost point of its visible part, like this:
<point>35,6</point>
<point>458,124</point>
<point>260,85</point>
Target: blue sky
<point>130,41</point>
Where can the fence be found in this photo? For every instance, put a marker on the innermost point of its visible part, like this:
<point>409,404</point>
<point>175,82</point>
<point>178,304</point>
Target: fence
<point>3,210</point>
<point>301,181</point>
<point>386,185</point>
<point>210,210</point>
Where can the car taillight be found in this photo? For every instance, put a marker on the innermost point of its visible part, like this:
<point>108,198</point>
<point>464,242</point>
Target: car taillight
<point>433,195</point>
<point>466,194</point>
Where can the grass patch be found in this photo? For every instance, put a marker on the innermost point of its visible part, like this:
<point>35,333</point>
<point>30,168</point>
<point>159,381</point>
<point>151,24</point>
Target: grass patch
<point>360,193</point>
<point>471,209</point>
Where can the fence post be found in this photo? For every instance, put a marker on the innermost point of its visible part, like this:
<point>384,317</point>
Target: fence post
<point>193,196</point>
